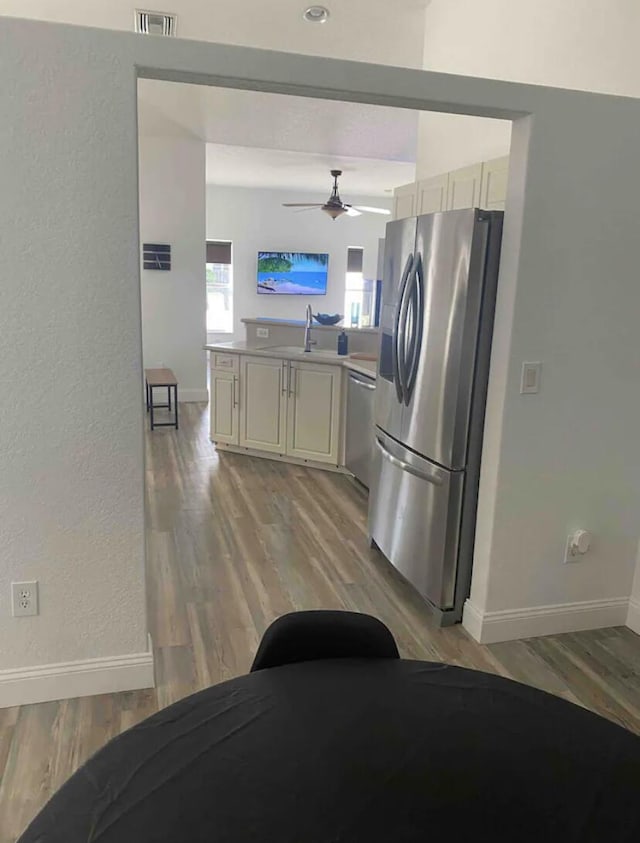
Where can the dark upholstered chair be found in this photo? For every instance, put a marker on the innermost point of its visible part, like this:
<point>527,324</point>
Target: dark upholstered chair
<point>324,634</point>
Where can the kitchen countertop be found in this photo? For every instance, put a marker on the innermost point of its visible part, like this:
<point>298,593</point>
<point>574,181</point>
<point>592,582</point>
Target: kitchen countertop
<point>364,367</point>
<point>300,323</point>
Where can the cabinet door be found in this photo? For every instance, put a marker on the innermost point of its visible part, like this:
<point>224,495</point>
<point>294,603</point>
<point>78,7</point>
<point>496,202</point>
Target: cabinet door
<point>463,190</point>
<point>263,400</point>
<point>404,201</point>
<point>313,416</point>
<point>493,192</point>
<point>223,408</point>
<point>432,194</point>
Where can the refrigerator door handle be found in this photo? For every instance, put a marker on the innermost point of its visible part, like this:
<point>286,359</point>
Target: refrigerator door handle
<point>398,332</point>
<point>415,293</point>
<point>431,477</point>
<point>403,315</point>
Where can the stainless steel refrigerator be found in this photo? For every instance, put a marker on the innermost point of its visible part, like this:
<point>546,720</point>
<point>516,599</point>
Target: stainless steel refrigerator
<point>438,297</point>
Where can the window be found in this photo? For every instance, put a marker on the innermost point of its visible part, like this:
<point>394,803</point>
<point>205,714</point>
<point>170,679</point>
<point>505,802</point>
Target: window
<point>359,294</point>
<point>219,288</point>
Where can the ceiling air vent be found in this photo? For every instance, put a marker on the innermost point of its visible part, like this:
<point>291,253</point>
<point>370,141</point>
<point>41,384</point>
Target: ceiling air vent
<point>155,23</point>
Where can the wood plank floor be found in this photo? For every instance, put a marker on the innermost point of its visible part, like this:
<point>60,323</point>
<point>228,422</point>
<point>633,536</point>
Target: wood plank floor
<point>233,542</point>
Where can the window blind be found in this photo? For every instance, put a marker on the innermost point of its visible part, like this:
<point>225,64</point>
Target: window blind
<point>354,260</point>
<point>218,251</point>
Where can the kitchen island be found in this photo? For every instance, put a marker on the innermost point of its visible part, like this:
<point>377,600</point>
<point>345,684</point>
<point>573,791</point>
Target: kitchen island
<point>280,402</point>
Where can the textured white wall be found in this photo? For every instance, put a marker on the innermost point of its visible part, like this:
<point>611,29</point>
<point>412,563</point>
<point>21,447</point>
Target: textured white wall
<point>633,617</point>
<point>71,489</point>
<point>172,210</point>
<point>588,45</point>
<point>254,220</point>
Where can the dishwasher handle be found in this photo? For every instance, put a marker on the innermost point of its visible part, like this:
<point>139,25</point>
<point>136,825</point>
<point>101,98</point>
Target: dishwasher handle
<point>363,384</point>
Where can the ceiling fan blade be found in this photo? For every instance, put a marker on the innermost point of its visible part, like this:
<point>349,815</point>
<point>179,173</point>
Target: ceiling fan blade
<point>353,212</point>
<point>301,205</point>
<point>373,210</point>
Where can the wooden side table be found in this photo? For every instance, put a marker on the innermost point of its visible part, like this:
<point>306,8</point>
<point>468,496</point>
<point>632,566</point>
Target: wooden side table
<point>162,378</point>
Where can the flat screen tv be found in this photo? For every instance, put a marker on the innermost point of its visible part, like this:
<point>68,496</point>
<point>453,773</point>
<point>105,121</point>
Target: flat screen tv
<point>292,273</point>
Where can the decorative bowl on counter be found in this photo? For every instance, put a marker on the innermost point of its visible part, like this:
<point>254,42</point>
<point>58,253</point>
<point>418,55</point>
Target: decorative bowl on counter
<point>327,318</point>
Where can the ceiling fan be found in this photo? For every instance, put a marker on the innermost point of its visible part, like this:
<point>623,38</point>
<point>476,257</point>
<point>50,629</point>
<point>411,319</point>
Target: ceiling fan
<point>334,206</point>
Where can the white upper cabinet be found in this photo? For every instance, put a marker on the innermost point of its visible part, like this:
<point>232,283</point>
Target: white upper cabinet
<point>482,185</point>
<point>263,403</point>
<point>493,192</point>
<point>313,418</point>
<point>404,201</point>
<point>463,189</point>
<point>432,194</point>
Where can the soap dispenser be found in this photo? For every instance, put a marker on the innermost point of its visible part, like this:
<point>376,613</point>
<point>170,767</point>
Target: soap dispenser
<point>343,344</point>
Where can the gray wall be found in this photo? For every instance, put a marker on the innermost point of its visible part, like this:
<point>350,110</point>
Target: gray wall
<point>71,459</point>
<point>71,481</point>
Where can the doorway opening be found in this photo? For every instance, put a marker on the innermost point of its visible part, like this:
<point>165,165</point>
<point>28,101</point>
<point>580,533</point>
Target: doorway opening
<point>253,200</point>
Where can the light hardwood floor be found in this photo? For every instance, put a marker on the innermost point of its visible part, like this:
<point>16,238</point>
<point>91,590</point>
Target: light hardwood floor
<point>233,542</point>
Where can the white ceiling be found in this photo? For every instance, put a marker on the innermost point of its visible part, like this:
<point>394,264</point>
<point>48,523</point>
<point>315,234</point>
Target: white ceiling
<point>320,133</point>
<point>275,121</point>
<point>381,31</point>
<point>304,172</point>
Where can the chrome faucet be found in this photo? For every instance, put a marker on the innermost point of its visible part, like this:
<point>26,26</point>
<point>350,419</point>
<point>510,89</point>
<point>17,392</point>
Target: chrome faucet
<point>308,342</point>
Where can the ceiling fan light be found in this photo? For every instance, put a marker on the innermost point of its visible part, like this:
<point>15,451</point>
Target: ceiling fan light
<point>334,211</point>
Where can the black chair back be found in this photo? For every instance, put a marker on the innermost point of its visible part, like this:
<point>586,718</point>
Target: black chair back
<point>324,634</point>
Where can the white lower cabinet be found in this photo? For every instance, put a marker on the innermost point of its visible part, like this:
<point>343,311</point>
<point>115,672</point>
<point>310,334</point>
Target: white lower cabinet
<point>286,407</point>
<point>263,403</point>
<point>223,409</point>
<point>313,414</point>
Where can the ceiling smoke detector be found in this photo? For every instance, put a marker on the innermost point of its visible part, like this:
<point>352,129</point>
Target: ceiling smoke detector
<point>155,23</point>
<point>316,14</point>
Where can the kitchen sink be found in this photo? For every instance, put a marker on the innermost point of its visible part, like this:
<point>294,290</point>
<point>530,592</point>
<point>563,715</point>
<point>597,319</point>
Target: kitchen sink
<point>298,349</point>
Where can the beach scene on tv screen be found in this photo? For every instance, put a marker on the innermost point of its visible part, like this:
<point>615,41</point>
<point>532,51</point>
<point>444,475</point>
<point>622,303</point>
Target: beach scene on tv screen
<point>292,273</point>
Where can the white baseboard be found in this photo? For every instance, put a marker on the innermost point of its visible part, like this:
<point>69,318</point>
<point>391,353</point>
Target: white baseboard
<point>472,620</point>
<point>66,680</point>
<point>192,395</point>
<point>633,615</point>
<point>507,625</point>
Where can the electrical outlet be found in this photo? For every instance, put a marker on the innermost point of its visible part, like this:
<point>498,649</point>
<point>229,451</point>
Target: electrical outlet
<point>24,599</point>
<point>578,544</point>
<point>262,333</point>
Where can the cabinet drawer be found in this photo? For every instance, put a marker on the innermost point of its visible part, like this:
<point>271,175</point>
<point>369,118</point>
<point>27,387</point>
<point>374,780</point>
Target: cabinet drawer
<point>225,362</point>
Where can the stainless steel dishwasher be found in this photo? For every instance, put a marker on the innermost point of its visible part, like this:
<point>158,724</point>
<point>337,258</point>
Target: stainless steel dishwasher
<point>359,445</point>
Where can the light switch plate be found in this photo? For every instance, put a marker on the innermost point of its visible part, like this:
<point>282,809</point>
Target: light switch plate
<point>262,333</point>
<point>530,380</point>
